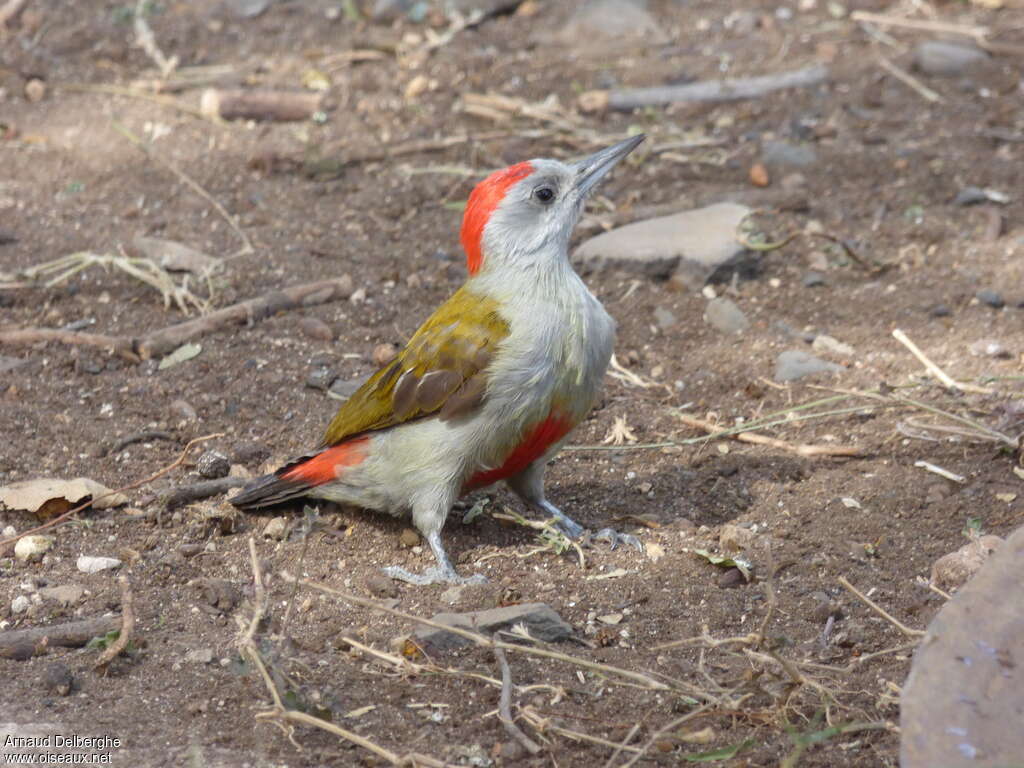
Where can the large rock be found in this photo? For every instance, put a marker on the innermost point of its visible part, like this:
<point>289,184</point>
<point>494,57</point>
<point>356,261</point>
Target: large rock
<point>962,704</point>
<point>539,618</point>
<point>692,244</point>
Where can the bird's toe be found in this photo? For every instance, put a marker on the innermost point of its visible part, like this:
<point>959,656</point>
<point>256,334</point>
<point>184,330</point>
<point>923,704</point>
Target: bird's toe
<point>614,538</point>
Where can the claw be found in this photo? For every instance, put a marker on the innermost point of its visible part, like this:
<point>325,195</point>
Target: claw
<point>563,522</point>
<point>614,538</point>
<point>432,575</point>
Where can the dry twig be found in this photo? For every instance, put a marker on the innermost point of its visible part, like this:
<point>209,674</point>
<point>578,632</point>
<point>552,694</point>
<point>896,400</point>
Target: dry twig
<point>146,40</point>
<point>505,705</point>
<point>127,628</point>
<point>73,634</point>
<point>942,376</point>
<point>908,631</point>
<point>910,81</point>
<point>802,449</point>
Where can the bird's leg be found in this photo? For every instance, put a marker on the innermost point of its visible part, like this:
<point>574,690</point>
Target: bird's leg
<point>429,516</point>
<point>442,573</point>
<point>529,486</point>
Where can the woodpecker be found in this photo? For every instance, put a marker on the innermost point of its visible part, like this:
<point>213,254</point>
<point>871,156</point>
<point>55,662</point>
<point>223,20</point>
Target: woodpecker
<point>490,386</point>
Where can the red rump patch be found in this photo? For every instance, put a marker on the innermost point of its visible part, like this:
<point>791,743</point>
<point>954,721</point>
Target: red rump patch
<point>534,445</point>
<point>487,195</point>
<point>323,468</point>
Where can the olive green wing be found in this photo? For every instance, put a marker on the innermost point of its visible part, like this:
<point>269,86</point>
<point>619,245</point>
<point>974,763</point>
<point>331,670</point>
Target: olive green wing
<point>442,371</point>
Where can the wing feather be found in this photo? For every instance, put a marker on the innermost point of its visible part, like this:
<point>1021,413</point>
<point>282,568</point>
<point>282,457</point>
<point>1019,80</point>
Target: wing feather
<point>441,372</point>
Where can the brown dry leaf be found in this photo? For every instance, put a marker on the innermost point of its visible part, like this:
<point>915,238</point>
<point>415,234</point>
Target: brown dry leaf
<point>52,508</point>
<point>174,256</point>
<point>35,495</point>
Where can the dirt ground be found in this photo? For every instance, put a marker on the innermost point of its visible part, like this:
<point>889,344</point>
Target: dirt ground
<point>889,164</point>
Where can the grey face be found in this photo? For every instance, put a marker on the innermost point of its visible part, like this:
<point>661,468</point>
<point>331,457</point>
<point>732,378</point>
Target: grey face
<point>540,211</point>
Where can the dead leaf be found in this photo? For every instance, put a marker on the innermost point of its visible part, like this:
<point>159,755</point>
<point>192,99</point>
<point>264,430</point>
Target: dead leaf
<point>615,574</point>
<point>619,433</point>
<point>36,495</point>
<point>182,354</point>
<point>739,563</point>
<point>611,618</point>
<point>360,711</point>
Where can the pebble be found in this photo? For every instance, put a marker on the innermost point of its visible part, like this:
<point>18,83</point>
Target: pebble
<point>212,465</point>
<point>598,25</point>
<point>813,280</point>
<point>732,578</point>
<point>379,585</point>
<point>794,364</point>
<point>994,299</point>
<point>409,538</point>
<point>734,538</point>
<point>784,154</point>
<point>940,310</point>
<point>199,655</point>
<point>66,594</point>
<point>321,378</point>
<point>276,529</point>
<point>32,548</point>
<point>251,453</point>
<point>972,196</point>
<point>827,344</point>
<point>346,387</point>
<point>664,318</point>
<point>316,329</point>
<point>183,410</point>
<point>57,678</point>
<point>946,59</point>
<point>35,90</point>
<point>92,564</point>
<point>952,571</point>
<point>989,348</point>
<point>759,175</point>
<point>20,604</point>
<point>384,354</point>
<point>692,245</point>
<point>723,315</point>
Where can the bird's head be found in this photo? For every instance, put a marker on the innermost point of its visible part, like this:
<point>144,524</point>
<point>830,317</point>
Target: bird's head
<point>524,215</point>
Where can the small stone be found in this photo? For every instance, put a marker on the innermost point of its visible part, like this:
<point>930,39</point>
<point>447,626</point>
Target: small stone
<point>539,619</point>
<point>452,595</point>
<point>20,604</point>
<point>384,354</point>
<point>57,678</point>
<point>946,59</point>
<point>992,298</point>
<point>940,310</point>
<point>970,196</point>
<point>92,564</point>
<point>379,585</point>
<point>66,594</point>
<point>35,90</point>
<point>317,329</point>
<point>794,364</point>
<point>321,378</point>
<point>598,26</point>
<point>664,318</point>
<point>952,571</point>
<point>251,453</point>
<point>793,181</point>
<point>276,529</point>
<point>409,538</point>
<point>32,548</point>
<point>512,752</point>
<point>759,175</point>
<point>183,410</point>
<point>989,348</point>
<point>212,465</point>
<point>734,538</point>
<point>345,388</point>
<point>732,578</point>
<point>784,154</point>
<point>813,280</point>
<point>199,656</point>
<point>723,315</point>
<point>827,345</point>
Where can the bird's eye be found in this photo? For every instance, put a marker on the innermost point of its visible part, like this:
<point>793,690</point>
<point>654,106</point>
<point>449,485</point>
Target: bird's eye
<point>544,194</point>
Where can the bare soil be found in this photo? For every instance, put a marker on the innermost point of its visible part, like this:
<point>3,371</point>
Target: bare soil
<point>889,164</point>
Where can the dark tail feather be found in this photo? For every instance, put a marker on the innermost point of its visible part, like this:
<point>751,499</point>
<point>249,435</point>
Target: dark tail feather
<point>274,489</point>
<point>268,490</point>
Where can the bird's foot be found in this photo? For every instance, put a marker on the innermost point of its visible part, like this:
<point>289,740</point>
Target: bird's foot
<point>432,575</point>
<point>614,538</point>
<point>563,522</point>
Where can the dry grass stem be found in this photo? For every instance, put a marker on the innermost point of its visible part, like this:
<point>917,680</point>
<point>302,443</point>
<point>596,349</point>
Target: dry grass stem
<point>910,81</point>
<point>937,372</point>
<point>146,40</point>
<point>908,631</point>
<point>809,451</point>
